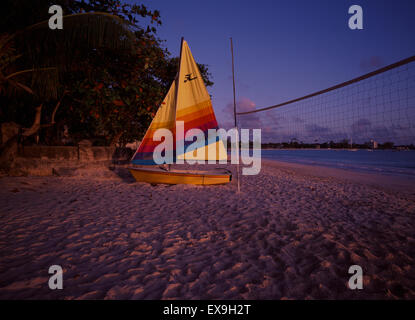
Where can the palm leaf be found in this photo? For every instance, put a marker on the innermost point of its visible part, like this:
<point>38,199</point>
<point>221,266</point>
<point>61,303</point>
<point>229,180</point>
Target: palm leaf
<point>81,33</point>
<point>45,51</point>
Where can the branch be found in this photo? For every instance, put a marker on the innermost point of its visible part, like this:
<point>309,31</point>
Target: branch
<point>36,124</point>
<point>45,23</point>
<point>116,138</point>
<point>21,86</point>
<point>52,121</point>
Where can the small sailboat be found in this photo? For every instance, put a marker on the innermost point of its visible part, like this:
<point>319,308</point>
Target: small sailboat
<point>188,103</point>
<point>351,146</point>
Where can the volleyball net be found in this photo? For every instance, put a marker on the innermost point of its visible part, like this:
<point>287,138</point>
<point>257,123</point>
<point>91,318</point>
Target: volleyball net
<point>378,107</point>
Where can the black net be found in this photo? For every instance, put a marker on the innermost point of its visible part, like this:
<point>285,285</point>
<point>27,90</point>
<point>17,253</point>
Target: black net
<point>380,108</point>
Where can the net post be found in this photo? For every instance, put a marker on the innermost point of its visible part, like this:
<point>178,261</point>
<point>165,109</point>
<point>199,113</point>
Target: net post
<point>235,122</point>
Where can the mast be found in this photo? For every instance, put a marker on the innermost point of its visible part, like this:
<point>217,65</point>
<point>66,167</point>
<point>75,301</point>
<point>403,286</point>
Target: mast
<point>178,72</point>
<point>177,83</point>
<point>234,115</point>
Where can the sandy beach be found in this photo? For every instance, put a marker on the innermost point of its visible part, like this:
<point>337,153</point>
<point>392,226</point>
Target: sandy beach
<point>292,233</point>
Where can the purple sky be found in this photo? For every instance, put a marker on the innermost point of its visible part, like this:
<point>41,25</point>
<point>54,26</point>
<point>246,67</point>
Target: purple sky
<point>285,49</point>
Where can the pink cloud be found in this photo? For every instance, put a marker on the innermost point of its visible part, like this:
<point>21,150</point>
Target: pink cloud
<point>370,63</point>
<point>243,104</point>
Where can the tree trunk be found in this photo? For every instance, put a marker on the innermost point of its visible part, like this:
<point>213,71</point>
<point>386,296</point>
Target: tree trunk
<point>36,124</point>
<point>115,139</point>
<point>8,153</point>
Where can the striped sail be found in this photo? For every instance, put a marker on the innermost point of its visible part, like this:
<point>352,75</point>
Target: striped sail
<point>191,107</point>
<point>164,118</point>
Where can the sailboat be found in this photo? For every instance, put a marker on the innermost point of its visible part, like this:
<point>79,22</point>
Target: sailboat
<point>351,145</point>
<point>188,103</point>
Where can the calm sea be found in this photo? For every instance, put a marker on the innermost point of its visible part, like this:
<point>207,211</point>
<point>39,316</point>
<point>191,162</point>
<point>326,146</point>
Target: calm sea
<point>377,161</point>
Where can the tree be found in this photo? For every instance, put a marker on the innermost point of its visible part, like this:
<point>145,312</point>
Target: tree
<point>387,145</point>
<point>36,43</point>
<point>111,94</point>
<point>43,68</point>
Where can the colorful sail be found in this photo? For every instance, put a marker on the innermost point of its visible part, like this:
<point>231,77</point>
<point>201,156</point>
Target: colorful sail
<point>164,118</point>
<point>194,108</point>
<point>188,103</point>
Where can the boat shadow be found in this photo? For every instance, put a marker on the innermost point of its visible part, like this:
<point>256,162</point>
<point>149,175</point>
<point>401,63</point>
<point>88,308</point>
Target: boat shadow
<point>123,173</point>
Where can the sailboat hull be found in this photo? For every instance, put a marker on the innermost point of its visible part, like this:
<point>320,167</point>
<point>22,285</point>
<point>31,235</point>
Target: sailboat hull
<point>156,176</point>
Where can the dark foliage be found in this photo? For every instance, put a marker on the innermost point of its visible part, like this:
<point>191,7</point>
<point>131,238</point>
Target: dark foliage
<point>108,95</point>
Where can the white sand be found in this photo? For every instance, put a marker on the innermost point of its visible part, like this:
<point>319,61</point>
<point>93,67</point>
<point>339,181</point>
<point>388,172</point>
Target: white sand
<point>293,232</point>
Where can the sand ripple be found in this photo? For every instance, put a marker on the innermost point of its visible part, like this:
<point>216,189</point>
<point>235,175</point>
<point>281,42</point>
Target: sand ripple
<point>286,236</point>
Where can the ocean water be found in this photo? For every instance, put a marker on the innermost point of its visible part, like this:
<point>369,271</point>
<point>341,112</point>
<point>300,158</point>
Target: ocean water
<point>389,162</point>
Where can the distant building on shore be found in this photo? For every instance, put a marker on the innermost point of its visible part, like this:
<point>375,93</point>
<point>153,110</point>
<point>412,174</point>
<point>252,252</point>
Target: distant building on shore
<point>373,144</point>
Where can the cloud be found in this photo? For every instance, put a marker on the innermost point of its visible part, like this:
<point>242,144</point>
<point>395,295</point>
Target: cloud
<point>315,132</point>
<point>382,133</point>
<point>245,104</point>
<point>364,130</point>
<point>298,120</point>
<point>314,129</point>
<point>361,127</point>
<point>251,121</point>
<point>371,63</point>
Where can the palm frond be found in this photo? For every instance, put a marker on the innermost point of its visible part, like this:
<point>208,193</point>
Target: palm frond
<point>47,52</point>
<point>7,52</point>
<point>45,80</point>
<point>18,85</point>
<point>81,33</point>
<point>12,75</point>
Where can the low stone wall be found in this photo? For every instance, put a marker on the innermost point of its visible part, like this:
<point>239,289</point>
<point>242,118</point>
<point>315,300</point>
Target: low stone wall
<point>63,160</point>
<point>77,153</point>
<point>49,153</point>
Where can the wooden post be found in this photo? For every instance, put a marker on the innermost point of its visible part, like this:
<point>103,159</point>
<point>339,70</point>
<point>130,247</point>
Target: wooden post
<point>236,124</point>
